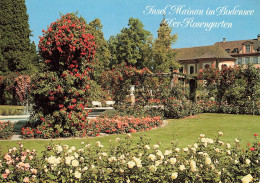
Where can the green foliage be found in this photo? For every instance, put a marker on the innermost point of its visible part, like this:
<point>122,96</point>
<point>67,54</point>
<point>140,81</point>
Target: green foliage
<point>16,51</point>
<point>131,45</point>
<point>6,130</point>
<point>102,55</point>
<point>175,108</point>
<point>237,87</point>
<point>162,54</point>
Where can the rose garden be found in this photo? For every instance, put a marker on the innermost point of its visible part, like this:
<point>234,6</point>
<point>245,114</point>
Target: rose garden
<point>141,139</point>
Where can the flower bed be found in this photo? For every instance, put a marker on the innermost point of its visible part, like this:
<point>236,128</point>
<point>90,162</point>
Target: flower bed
<point>6,130</point>
<point>207,160</point>
<point>95,126</point>
<point>124,124</point>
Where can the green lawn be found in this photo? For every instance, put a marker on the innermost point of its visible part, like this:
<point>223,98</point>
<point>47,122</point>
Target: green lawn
<point>186,131</point>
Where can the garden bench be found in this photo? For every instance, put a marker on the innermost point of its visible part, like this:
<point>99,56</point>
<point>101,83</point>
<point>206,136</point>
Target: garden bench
<point>96,105</point>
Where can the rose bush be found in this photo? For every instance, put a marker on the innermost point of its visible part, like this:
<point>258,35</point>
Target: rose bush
<point>64,87</point>
<point>207,160</point>
<point>6,130</point>
<point>93,127</point>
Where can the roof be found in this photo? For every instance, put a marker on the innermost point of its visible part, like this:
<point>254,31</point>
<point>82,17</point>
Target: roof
<point>214,51</point>
<point>238,44</point>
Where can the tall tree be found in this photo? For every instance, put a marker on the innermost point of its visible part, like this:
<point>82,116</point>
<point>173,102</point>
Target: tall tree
<point>16,51</point>
<point>163,55</point>
<point>131,45</point>
<point>102,52</point>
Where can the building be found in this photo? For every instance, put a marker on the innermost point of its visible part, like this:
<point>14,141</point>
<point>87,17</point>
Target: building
<point>228,53</point>
<point>245,51</point>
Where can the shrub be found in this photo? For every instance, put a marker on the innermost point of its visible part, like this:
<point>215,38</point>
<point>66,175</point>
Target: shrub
<point>207,160</point>
<point>62,91</point>
<point>175,108</point>
<point>6,130</point>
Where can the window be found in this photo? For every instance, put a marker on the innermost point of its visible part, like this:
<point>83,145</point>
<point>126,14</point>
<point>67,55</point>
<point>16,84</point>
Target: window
<point>243,60</point>
<point>236,50</point>
<point>206,66</point>
<point>227,50</point>
<point>191,69</point>
<point>239,61</point>
<point>181,70</point>
<point>247,60</point>
<point>247,48</point>
<point>255,60</point>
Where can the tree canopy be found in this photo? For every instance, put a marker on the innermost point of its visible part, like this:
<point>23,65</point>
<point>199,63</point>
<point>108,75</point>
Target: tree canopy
<point>16,51</point>
<point>131,45</point>
<point>162,54</point>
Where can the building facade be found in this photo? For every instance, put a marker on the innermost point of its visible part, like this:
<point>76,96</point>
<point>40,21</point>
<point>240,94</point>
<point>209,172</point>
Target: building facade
<point>228,53</point>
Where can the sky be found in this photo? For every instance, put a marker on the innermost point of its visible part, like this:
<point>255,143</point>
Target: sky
<point>191,20</point>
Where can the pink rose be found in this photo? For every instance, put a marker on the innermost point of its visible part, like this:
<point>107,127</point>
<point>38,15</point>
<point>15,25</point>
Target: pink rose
<point>26,179</point>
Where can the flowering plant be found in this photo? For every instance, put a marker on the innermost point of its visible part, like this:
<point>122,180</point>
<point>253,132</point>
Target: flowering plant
<point>207,160</point>
<point>62,91</point>
<point>6,130</point>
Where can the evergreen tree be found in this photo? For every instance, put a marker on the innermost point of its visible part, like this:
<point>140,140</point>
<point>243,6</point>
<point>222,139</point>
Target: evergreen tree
<point>16,51</point>
<point>131,45</point>
<point>163,55</point>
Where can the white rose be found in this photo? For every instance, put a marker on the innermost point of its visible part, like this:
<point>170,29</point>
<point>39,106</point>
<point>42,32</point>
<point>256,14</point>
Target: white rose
<point>247,178</point>
<point>157,163</point>
<point>228,146</point>
<point>75,163</point>
<point>147,147</point>
<point>152,157</point>
<point>167,152</point>
<point>220,133</point>
<point>77,175</point>
<point>182,167</point>
<point>152,168</point>
<point>177,150</point>
<point>156,146</point>
<point>131,164</point>
<point>173,161</point>
<point>193,166</point>
<point>195,145</point>
<point>112,159</point>
<point>207,160</point>
<point>202,135</point>
<point>118,139</point>
<point>185,149</point>
<point>174,175</point>
<point>58,148</point>
<point>248,161</point>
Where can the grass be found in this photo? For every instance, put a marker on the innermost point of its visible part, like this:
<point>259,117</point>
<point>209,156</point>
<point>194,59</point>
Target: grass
<point>6,110</point>
<point>186,131</point>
